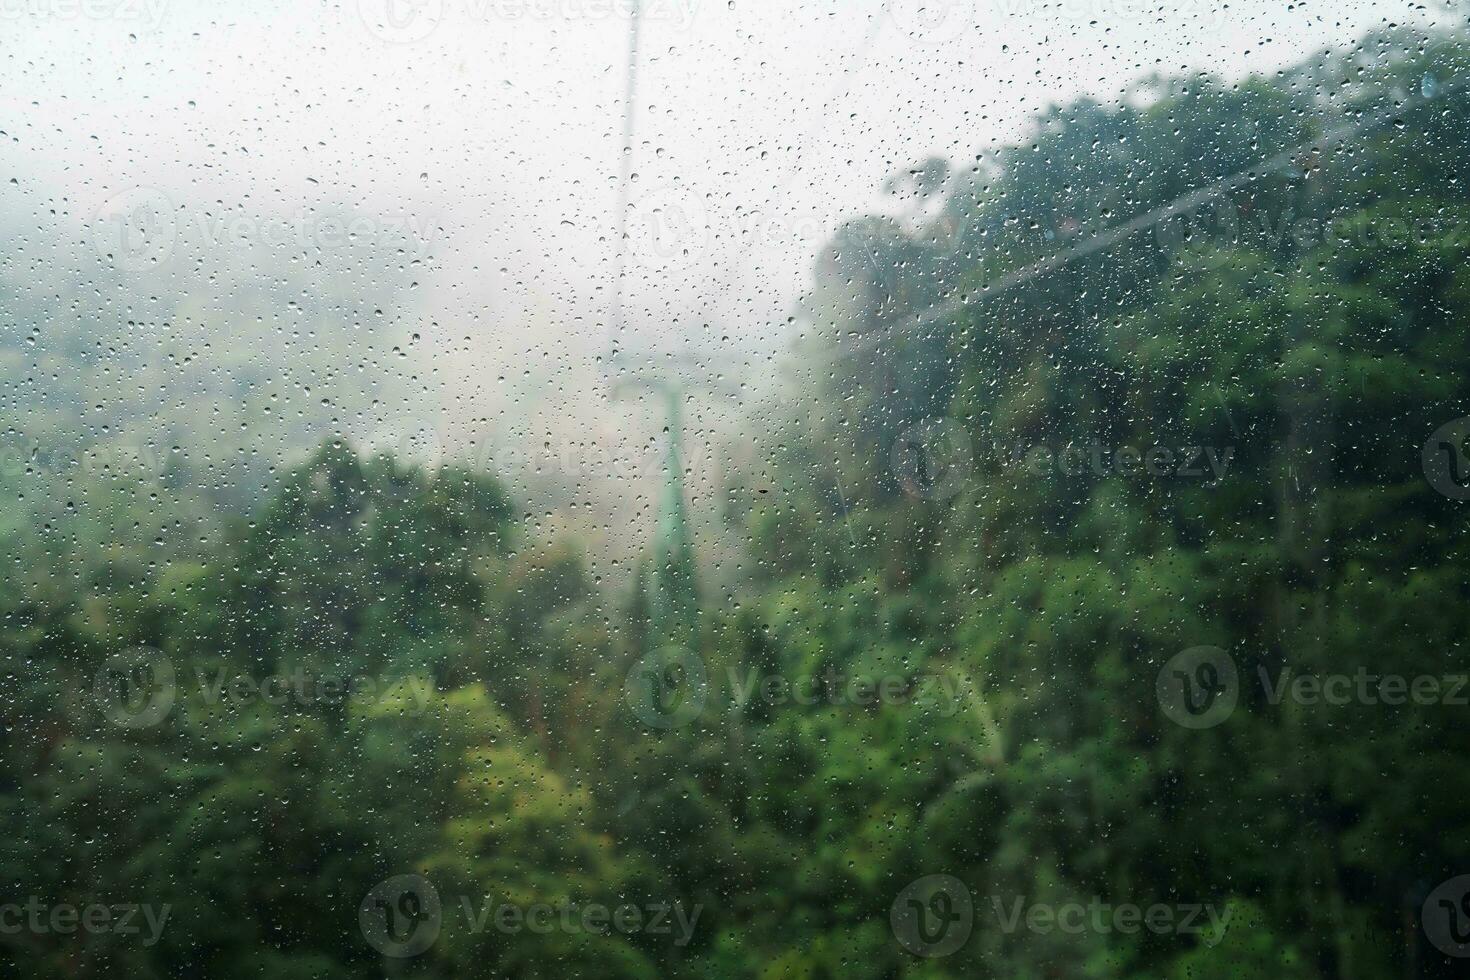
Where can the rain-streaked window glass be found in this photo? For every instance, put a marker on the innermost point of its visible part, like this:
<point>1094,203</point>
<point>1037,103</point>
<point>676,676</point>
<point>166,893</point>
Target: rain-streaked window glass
<point>734,488</point>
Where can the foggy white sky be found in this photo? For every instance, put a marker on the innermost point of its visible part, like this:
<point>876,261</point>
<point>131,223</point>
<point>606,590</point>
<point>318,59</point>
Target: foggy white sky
<point>494,124</point>
<point>488,131</point>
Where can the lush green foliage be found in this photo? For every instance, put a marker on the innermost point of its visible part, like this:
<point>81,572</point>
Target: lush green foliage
<point>1029,611</point>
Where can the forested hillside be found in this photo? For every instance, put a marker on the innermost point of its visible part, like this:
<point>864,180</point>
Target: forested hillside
<point>1044,535</point>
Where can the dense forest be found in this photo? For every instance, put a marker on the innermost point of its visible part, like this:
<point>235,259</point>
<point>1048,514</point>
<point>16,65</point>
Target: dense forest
<point>1076,583</point>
